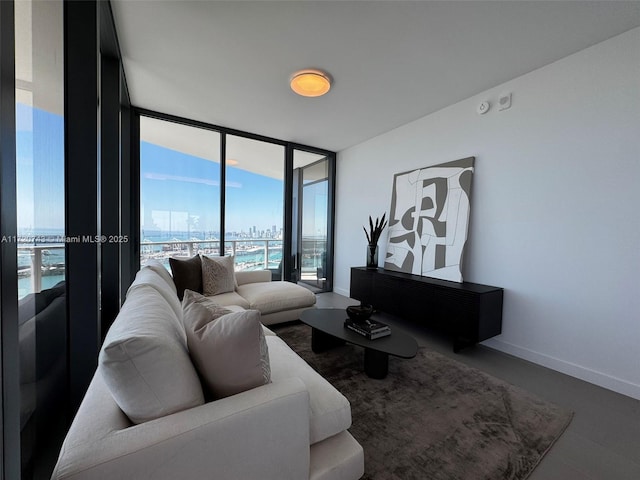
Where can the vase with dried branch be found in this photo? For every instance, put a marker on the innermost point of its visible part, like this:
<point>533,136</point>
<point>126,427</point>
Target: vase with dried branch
<point>373,235</point>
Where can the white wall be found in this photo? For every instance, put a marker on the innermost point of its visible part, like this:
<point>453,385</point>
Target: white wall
<point>554,207</point>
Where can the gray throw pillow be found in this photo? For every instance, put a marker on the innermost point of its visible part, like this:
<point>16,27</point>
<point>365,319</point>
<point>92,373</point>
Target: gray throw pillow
<point>187,274</point>
<point>218,275</point>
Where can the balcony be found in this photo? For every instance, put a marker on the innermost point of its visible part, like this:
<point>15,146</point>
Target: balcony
<point>250,254</point>
<point>42,266</point>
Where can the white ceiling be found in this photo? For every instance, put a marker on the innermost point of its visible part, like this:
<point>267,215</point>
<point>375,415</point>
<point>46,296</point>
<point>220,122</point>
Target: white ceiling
<point>228,63</point>
<point>243,153</point>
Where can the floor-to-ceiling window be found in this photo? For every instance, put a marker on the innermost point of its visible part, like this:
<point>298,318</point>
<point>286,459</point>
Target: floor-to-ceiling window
<point>39,145</point>
<point>254,203</point>
<point>211,190</point>
<point>50,200</point>
<point>40,204</point>
<point>179,190</point>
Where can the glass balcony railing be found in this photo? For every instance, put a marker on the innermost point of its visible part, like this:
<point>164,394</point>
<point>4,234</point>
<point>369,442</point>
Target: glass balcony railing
<point>39,267</point>
<point>42,266</point>
<point>250,254</point>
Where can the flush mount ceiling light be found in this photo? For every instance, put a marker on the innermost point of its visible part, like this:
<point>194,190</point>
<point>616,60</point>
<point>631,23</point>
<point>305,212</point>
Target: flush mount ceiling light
<point>310,83</point>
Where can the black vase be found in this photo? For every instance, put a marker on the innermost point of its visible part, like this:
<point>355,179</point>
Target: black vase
<point>372,256</point>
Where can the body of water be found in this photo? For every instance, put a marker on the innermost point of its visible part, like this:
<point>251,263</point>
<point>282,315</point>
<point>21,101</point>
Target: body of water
<point>249,253</point>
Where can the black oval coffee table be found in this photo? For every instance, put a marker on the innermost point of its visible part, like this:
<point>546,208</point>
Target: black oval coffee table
<point>328,331</point>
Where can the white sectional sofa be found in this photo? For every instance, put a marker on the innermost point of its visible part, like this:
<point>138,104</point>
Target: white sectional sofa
<point>294,427</point>
<point>277,301</point>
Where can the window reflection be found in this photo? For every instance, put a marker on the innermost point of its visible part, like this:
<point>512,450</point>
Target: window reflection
<point>40,219</point>
<point>179,191</point>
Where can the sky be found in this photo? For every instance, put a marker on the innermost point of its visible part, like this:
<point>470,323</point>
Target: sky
<point>189,188</point>
<point>179,192</point>
<point>40,169</point>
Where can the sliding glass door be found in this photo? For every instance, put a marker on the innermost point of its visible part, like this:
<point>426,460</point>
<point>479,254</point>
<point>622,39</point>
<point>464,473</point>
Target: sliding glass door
<point>312,217</point>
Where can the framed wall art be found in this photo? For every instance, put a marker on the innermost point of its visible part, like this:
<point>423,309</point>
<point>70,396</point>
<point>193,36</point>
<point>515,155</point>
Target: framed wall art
<point>429,219</point>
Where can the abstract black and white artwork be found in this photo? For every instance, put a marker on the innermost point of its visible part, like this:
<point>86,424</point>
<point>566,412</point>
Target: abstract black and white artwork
<point>429,218</point>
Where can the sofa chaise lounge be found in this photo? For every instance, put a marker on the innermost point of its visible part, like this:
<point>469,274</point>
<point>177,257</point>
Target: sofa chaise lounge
<point>277,301</point>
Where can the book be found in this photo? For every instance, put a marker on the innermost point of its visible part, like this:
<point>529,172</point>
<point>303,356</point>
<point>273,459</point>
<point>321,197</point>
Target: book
<point>370,336</point>
<point>372,331</point>
<point>369,326</point>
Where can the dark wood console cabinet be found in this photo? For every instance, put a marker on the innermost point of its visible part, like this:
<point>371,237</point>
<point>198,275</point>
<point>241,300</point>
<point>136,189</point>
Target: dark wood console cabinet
<point>469,312</point>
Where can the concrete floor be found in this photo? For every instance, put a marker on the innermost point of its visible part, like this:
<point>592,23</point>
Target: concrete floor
<point>603,440</point>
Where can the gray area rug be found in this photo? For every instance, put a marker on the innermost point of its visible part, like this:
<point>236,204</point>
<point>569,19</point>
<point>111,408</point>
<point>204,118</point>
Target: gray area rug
<point>434,418</point>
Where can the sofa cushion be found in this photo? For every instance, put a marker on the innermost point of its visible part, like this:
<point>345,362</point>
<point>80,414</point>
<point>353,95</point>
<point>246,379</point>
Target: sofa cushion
<point>144,359</point>
<point>252,276</point>
<point>218,275</point>
<point>269,297</point>
<point>149,277</point>
<point>187,273</point>
<point>230,351</point>
<point>330,410</point>
<point>161,270</point>
<point>229,299</point>
<point>266,331</point>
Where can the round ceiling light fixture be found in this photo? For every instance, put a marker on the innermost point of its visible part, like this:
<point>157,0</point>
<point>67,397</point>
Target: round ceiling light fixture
<point>310,83</point>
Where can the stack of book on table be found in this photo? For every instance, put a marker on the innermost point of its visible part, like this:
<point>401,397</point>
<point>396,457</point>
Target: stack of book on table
<point>368,328</point>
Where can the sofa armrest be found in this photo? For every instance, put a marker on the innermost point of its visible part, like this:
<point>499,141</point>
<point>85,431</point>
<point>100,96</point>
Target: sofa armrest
<point>261,433</point>
<point>253,276</point>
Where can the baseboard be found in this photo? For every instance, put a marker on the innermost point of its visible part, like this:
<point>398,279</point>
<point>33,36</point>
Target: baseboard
<point>592,376</point>
<point>341,291</point>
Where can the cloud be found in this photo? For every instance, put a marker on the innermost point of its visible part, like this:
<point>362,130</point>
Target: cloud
<point>178,178</point>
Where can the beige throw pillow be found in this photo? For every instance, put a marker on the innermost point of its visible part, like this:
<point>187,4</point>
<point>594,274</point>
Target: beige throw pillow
<point>230,352</point>
<point>214,308</point>
<point>218,275</point>
<point>144,360</point>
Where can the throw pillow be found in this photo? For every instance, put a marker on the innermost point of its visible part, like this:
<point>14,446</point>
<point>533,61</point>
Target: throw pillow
<point>214,308</point>
<point>187,274</point>
<point>218,275</point>
<point>144,360</point>
<point>230,353</point>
